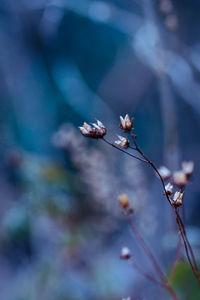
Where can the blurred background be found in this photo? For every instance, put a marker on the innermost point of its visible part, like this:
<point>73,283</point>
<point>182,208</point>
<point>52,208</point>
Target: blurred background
<point>63,62</point>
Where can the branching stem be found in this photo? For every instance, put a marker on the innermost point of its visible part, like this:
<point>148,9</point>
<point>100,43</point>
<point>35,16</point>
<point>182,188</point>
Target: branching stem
<point>114,146</point>
<point>188,248</point>
<point>164,280</point>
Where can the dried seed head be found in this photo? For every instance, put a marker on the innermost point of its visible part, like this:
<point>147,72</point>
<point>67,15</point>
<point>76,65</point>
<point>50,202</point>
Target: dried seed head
<point>188,167</point>
<point>169,189</point>
<point>123,142</point>
<point>126,123</point>
<point>123,200</point>
<point>95,131</point>
<point>129,298</point>
<point>125,253</point>
<point>180,178</point>
<point>177,199</point>
<point>164,172</point>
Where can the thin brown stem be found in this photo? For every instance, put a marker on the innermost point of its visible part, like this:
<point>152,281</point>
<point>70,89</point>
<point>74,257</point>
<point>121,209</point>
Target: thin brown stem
<point>171,291</point>
<point>133,148</point>
<point>145,248</point>
<point>109,143</point>
<point>165,282</point>
<point>177,258</point>
<point>178,218</point>
<point>147,276</point>
<point>189,245</point>
<point>192,260</point>
<point>185,245</point>
<point>151,164</point>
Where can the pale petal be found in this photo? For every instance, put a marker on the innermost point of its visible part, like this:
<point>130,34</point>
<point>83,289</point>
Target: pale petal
<point>127,119</point>
<point>100,124</point>
<point>122,121</point>
<point>87,126</point>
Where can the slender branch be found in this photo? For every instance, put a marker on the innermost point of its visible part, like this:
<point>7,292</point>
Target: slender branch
<point>178,218</point>
<point>133,148</point>
<point>165,282</point>
<point>149,277</point>
<point>138,158</point>
<point>191,251</point>
<point>151,164</point>
<point>145,248</point>
<point>187,245</point>
<point>148,252</point>
<point>175,264</point>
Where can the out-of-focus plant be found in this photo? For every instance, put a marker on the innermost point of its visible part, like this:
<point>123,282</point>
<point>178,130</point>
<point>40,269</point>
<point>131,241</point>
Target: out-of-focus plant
<point>180,180</point>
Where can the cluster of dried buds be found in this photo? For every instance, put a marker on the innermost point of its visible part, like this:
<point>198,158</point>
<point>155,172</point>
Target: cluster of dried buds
<point>98,130</point>
<point>177,198</point>
<point>95,131</point>
<point>179,178</point>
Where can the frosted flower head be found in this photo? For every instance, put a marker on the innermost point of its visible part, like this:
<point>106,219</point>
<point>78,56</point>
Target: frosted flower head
<point>169,189</point>
<point>123,142</point>
<point>188,167</point>
<point>123,200</point>
<point>126,123</point>
<point>95,131</point>
<point>180,178</point>
<point>164,172</point>
<point>177,199</point>
<point>125,253</point>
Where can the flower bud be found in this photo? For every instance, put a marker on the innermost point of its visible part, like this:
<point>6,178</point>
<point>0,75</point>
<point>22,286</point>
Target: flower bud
<point>123,200</point>
<point>188,167</point>
<point>164,172</point>
<point>125,253</point>
<point>177,199</point>
<point>126,123</point>
<point>95,131</point>
<point>169,189</point>
<point>123,142</point>
<point>180,178</point>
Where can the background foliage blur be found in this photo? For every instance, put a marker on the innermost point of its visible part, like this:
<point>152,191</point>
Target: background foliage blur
<point>65,61</point>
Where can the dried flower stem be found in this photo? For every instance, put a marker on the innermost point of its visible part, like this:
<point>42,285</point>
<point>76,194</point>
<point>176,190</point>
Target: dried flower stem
<point>175,264</point>
<point>187,245</point>
<point>147,276</point>
<point>165,282</point>
<point>150,163</point>
<point>138,158</point>
<point>98,131</point>
<point>145,247</point>
<point>188,248</point>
